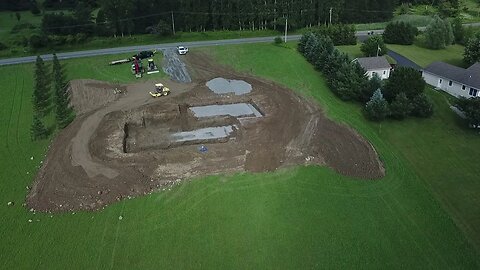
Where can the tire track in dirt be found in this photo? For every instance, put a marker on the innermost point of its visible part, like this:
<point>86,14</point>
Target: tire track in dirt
<point>88,161</point>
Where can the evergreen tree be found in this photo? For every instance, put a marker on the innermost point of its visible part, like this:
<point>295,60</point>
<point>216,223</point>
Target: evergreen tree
<point>377,108</point>
<point>400,33</point>
<point>471,108</point>
<point>404,80</point>
<point>41,93</point>
<point>63,112</point>
<point>374,46</point>
<point>422,106</point>
<point>458,31</point>
<point>400,107</point>
<point>38,130</point>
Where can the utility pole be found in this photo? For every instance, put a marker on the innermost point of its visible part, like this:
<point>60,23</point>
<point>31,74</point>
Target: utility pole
<point>286,28</point>
<point>331,9</point>
<point>173,24</point>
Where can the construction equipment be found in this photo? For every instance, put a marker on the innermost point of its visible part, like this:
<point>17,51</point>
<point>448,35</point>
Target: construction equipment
<point>160,90</point>
<point>144,55</point>
<point>152,68</point>
<point>137,68</point>
<point>139,56</point>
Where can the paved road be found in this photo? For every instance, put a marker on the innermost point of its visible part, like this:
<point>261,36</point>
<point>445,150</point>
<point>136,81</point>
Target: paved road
<point>361,35</point>
<point>162,46</point>
<point>133,49</point>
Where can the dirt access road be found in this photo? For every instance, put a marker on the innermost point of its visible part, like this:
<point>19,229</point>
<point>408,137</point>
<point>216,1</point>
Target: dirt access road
<point>126,145</point>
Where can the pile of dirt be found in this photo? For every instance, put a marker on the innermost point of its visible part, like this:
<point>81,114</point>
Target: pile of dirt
<point>125,148</point>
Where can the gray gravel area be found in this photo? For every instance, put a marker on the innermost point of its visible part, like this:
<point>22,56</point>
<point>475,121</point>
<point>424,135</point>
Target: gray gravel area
<point>225,86</point>
<point>210,133</point>
<point>174,67</point>
<point>238,110</point>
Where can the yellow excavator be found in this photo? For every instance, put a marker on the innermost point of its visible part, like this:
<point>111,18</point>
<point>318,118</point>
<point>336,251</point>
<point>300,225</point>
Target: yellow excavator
<point>160,90</point>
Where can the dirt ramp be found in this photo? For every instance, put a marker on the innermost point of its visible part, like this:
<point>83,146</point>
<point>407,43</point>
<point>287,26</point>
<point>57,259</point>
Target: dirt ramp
<point>89,95</point>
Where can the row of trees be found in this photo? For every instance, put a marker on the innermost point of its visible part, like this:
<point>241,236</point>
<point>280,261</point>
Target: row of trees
<point>402,94</point>
<point>42,98</point>
<point>124,17</point>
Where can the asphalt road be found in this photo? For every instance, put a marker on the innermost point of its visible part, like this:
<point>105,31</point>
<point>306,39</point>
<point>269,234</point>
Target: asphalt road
<point>134,49</point>
<point>162,46</point>
<point>361,35</point>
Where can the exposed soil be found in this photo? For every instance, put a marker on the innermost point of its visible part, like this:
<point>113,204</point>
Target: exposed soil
<point>119,146</point>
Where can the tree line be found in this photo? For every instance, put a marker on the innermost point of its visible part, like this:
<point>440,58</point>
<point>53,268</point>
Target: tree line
<point>400,96</point>
<point>43,101</point>
<point>125,17</point>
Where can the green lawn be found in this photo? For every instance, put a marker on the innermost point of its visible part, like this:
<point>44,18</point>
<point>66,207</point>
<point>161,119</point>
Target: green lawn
<point>352,50</point>
<point>423,57</point>
<point>299,218</point>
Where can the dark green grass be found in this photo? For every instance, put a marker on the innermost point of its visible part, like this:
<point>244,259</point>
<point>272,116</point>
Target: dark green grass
<point>299,218</point>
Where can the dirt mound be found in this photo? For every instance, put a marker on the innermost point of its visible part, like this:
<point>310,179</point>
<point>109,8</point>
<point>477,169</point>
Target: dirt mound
<point>135,144</point>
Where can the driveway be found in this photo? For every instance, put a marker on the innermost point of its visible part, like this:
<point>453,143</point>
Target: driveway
<point>402,61</point>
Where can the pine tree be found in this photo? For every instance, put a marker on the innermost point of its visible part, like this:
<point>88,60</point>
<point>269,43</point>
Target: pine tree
<point>377,107</point>
<point>63,112</point>
<point>401,107</point>
<point>41,93</point>
<point>38,130</point>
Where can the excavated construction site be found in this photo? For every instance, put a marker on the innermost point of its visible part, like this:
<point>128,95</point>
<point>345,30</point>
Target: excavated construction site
<point>124,143</point>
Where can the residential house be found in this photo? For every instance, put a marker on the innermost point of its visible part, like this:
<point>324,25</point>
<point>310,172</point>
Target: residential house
<point>456,81</point>
<point>378,66</point>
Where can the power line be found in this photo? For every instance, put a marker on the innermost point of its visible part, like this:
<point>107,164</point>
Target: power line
<point>269,13</point>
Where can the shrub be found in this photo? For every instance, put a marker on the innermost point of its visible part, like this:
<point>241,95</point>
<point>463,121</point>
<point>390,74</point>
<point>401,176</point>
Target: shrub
<point>377,108</point>
<point>3,46</point>
<point>278,40</point>
<point>37,41</point>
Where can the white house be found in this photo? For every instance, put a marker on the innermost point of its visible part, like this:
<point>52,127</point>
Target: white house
<point>456,81</point>
<point>375,66</point>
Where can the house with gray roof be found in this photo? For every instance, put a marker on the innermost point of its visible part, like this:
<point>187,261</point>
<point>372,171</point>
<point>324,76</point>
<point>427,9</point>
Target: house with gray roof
<point>378,66</point>
<point>456,81</point>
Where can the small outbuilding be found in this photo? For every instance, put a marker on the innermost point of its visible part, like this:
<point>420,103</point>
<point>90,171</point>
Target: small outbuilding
<point>456,81</point>
<point>375,66</point>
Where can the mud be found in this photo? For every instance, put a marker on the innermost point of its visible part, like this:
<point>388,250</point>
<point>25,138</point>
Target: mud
<point>131,145</point>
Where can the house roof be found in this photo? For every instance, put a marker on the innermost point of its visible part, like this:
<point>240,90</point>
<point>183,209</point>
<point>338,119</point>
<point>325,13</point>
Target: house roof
<point>370,63</point>
<point>470,76</point>
<point>475,68</point>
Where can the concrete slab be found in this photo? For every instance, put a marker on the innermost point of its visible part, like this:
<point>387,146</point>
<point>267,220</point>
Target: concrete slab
<point>211,133</point>
<point>238,110</point>
<point>225,86</point>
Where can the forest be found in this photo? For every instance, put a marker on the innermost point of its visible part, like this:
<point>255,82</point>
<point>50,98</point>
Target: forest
<point>126,17</point>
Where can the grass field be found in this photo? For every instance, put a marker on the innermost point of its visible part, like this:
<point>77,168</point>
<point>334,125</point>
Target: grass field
<point>306,217</point>
<point>8,21</point>
<point>422,56</point>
